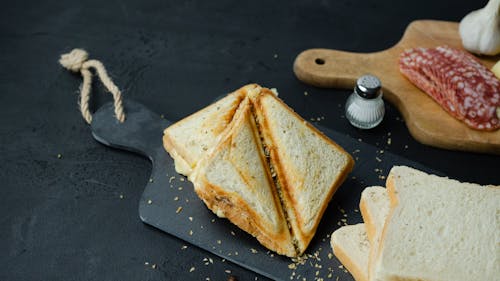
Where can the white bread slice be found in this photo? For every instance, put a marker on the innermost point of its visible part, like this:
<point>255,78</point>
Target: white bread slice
<point>351,243</point>
<point>234,181</point>
<point>439,229</point>
<point>309,167</point>
<point>190,138</point>
<point>374,206</point>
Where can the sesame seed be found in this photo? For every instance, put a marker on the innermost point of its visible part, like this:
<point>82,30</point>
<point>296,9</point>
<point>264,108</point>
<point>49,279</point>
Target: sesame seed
<point>179,209</point>
<point>176,198</point>
<point>59,156</point>
<point>150,202</point>
<point>192,269</point>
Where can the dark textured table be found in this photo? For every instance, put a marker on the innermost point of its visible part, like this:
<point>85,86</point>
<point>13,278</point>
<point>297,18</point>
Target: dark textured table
<point>63,218</point>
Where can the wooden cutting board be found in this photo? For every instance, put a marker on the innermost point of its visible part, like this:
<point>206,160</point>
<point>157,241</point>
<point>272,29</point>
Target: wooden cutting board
<point>426,120</point>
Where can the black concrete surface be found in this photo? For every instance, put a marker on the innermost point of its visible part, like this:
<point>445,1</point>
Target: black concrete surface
<point>63,218</point>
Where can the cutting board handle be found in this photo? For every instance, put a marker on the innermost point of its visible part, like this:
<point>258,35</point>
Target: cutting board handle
<point>331,68</point>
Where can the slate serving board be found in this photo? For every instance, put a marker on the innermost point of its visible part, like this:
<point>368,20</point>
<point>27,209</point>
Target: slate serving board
<point>170,204</point>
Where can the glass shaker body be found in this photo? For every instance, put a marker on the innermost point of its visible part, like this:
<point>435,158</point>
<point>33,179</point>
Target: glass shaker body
<point>365,107</point>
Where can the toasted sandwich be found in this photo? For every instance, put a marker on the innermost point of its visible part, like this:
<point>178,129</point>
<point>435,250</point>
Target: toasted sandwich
<point>261,165</point>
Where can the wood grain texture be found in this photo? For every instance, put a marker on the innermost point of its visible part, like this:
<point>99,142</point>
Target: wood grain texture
<point>425,119</point>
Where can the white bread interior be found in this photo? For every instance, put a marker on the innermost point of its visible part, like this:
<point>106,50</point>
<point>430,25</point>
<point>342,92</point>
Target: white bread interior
<point>351,247</point>
<point>438,229</point>
<point>351,244</point>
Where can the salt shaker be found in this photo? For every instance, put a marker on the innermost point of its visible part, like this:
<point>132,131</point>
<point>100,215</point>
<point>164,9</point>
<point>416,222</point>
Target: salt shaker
<point>365,108</point>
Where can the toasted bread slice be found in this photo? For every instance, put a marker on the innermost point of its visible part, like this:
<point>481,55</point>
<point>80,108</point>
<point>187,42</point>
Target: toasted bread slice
<point>351,244</point>
<point>190,138</point>
<point>309,167</point>
<point>234,181</point>
<point>438,229</point>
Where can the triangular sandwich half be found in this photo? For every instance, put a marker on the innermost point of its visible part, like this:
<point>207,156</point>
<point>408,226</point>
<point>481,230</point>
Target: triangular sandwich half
<point>234,181</point>
<point>190,138</point>
<point>308,166</point>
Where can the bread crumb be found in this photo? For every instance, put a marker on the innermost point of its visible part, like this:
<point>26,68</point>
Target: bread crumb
<point>329,275</point>
<point>150,179</point>
<point>153,266</point>
<point>59,156</point>
<point>190,218</point>
<point>184,247</point>
<point>306,93</point>
<point>406,146</point>
<point>181,179</point>
<point>179,209</point>
<point>253,251</point>
<point>212,220</point>
<point>389,141</point>
<point>292,266</point>
<point>219,242</point>
<point>330,255</point>
<point>227,271</point>
<point>275,56</point>
<point>150,201</point>
<point>171,179</point>
<point>121,196</point>
<point>192,269</point>
<point>190,232</point>
<point>180,188</point>
<point>176,198</point>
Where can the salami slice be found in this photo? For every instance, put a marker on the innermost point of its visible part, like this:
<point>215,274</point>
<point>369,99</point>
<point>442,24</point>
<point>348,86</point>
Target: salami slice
<point>458,82</point>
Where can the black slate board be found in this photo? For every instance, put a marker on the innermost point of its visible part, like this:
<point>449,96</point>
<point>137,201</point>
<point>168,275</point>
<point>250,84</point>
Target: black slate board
<point>169,202</point>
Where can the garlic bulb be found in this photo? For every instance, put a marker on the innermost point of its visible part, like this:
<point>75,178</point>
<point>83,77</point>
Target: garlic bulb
<point>480,30</point>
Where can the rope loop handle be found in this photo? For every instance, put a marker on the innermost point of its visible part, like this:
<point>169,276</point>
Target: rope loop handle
<point>77,61</point>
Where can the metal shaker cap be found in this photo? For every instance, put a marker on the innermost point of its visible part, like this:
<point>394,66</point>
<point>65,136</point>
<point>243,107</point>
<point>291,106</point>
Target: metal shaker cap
<point>368,86</point>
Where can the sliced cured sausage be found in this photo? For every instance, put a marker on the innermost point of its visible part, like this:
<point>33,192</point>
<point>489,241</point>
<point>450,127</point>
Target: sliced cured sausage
<point>464,87</point>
